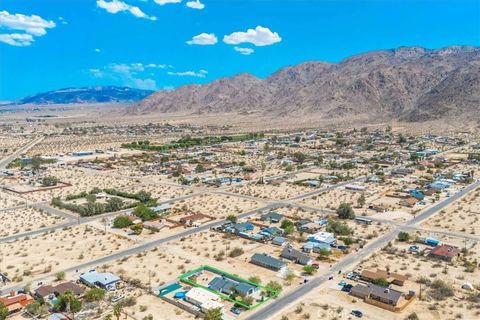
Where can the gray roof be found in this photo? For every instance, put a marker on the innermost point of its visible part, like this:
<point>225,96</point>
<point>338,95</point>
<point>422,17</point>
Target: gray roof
<point>228,286</point>
<point>295,255</point>
<point>272,216</point>
<point>376,292</point>
<point>265,260</point>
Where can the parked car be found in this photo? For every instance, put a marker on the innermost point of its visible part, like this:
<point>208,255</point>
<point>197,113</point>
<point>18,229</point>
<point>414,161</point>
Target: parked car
<point>235,310</point>
<point>357,313</point>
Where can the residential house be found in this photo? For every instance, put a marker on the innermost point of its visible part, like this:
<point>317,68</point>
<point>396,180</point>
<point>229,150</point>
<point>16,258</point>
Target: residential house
<point>266,261</point>
<point>323,237</point>
<point>272,217</point>
<point>445,252</point>
<point>391,277</point>
<point>297,256</point>
<point>48,290</point>
<point>203,299</point>
<point>15,302</point>
<point>228,287</point>
<point>104,280</point>
<point>374,292</point>
<point>279,241</point>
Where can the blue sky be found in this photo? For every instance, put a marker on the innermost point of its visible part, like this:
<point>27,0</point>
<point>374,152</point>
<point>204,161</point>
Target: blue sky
<point>52,44</point>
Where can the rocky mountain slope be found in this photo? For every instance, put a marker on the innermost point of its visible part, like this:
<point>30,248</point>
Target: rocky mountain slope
<point>408,83</point>
<point>109,94</point>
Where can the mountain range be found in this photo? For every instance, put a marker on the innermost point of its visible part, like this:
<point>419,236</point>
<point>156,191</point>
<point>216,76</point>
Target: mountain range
<point>107,94</point>
<point>411,84</point>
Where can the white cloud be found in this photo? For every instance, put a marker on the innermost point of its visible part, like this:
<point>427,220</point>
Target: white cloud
<point>34,25</point>
<point>128,74</point>
<point>97,50</point>
<point>97,73</point>
<point>260,36</point>
<point>195,5</point>
<point>116,6</point>
<point>200,74</point>
<point>17,39</point>
<point>164,2</point>
<point>244,51</point>
<point>145,84</point>
<point>62,20</point>
<point>203,39</point>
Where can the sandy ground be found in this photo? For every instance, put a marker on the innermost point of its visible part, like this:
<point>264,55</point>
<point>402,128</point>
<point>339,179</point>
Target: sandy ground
<point>282,192</point>
<point>8,200</point>
<point>25,219</point>
<point>28,258</point>
<point>461,216</point>
<point>218,206</point>
<point>328,302</point>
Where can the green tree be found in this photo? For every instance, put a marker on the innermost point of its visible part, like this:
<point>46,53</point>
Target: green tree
<point>213,314</point>
<point>36,163</point>
<point>36,309</point>
<point>381,282</point>
<point>274,287</point>
<point>144,213</point>
<point>361,200</point>
<point>309,270</point>
<point>94,295</point>
<point>255,279</point>
<point>199,168</point>
<point>49,181</point>
<point>114,204</point>
<point>60,276</point>
<point>403,236</point>
<point>117,310</point>
<point>232,218</point>
<point>324,253</point>
<point>108,317</point>
<point>286,223</point>
<point>3,311</point>
<point>299,157</point>
<point>67,302</point>
<point>137,229</point>
<point>345,211</point>
<point>122,222</point>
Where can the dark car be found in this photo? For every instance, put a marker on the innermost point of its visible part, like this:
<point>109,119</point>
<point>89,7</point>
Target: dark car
<point>347,288</point>
<point>357,313</point>
<point>235,310</point>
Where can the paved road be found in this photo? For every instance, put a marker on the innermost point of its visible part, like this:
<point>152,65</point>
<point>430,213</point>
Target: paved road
<point>74,219</point>
<point>6,161</point>
<point>279,304</point>
<point>143,247</point>
<point>440,205</point>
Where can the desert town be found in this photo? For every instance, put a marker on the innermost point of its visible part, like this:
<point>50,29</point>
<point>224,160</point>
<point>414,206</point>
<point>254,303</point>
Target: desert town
<point>184,221</point>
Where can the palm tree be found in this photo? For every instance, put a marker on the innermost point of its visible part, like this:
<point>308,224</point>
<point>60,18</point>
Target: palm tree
<point>108,317</point>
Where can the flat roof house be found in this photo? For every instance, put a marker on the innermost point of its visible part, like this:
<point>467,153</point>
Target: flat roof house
<point>104,280</point>
<point>203,299</point>
<point>266,261</point>
<point>322,237</point>
<point>296,256</point>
